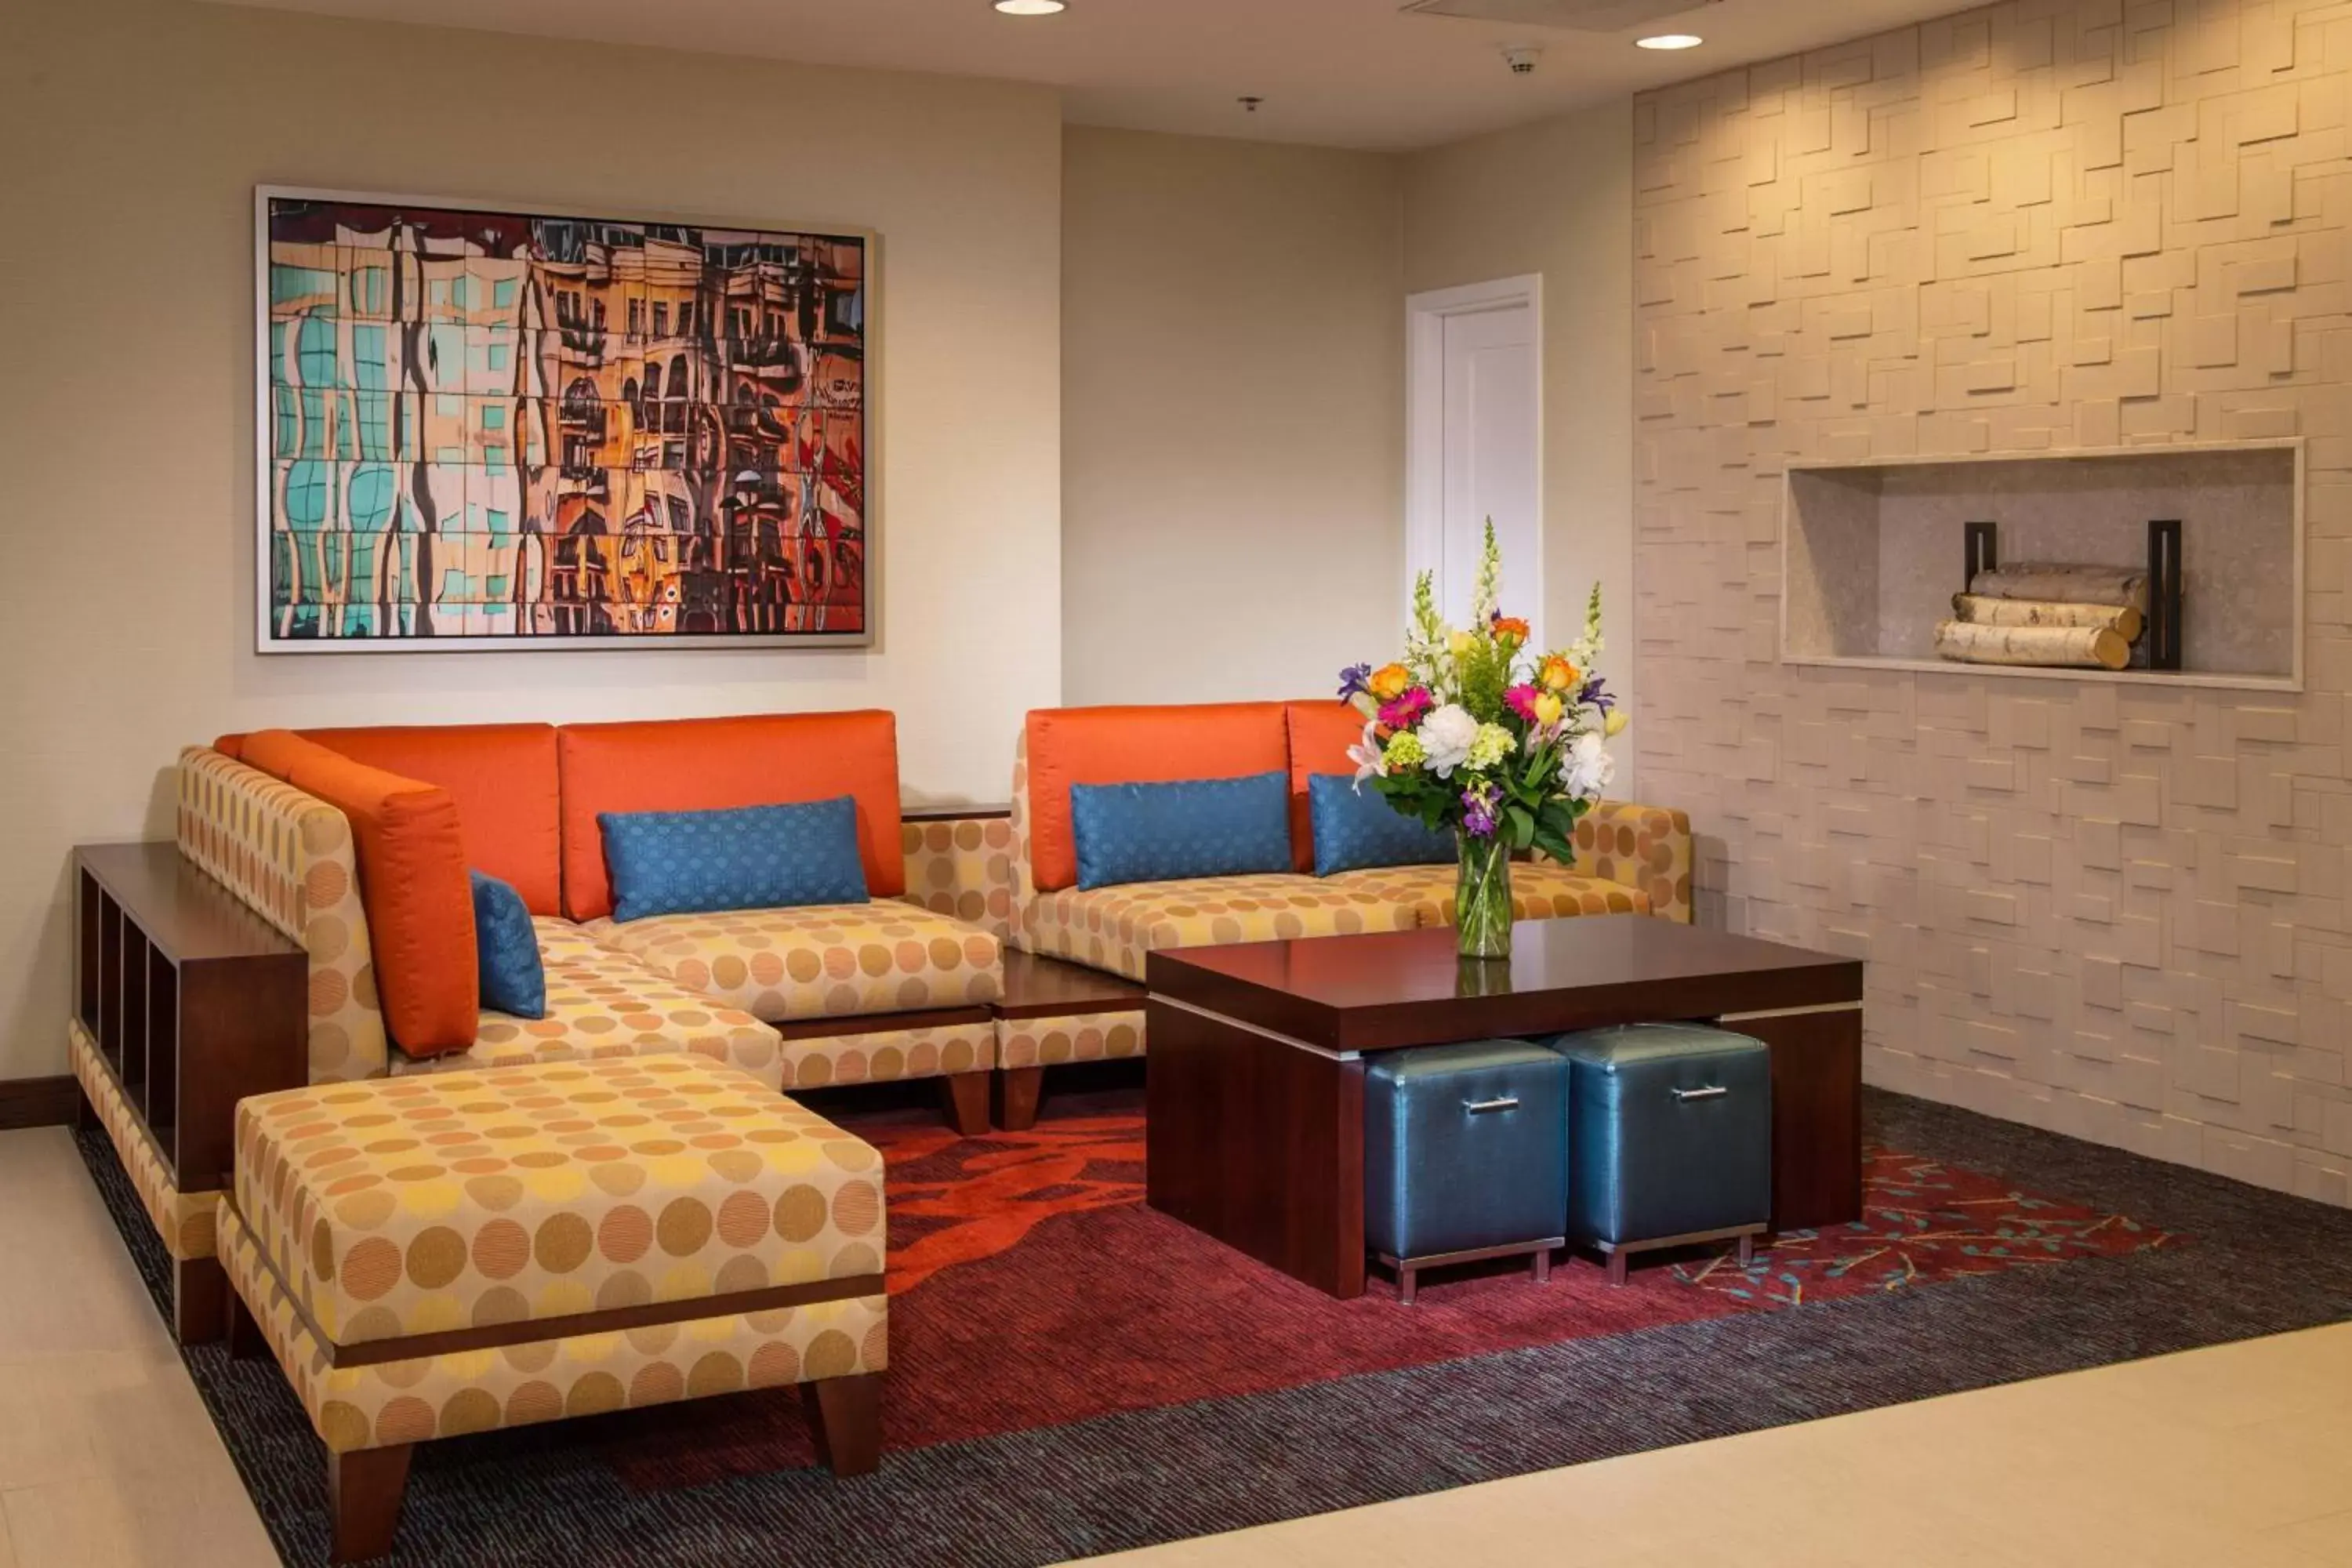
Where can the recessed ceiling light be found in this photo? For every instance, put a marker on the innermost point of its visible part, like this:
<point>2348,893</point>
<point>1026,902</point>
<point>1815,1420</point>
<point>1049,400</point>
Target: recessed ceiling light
<point>1662,41</point>
<point>1031,7</point>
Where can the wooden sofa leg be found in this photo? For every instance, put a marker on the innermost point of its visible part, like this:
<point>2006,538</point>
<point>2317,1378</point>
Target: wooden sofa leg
<point>199,1300</point>
<point>845,1417</point>
<point>364,1494</point>
<point>966,1097</point>
<point>245,1340</point>
<point>1016,1093</point>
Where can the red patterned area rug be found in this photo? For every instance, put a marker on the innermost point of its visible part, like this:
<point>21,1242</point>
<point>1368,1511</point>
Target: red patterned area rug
<point>1031,1287</point>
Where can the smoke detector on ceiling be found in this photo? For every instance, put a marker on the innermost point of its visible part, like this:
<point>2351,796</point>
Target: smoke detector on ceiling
<point>1576,16</point>
<point>1521,59</point>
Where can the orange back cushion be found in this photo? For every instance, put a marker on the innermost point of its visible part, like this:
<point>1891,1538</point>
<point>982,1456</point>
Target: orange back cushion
<point>1320,735</point>
<point>704,764</point>
<point>413,884</point>
<point>1136,745</point>
<point>503,778</point>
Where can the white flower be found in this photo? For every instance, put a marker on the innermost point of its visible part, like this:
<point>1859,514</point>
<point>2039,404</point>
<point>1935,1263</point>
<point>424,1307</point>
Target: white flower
<point>1447,736</point>
<point>1590,768</point>
<point>1366,755</point>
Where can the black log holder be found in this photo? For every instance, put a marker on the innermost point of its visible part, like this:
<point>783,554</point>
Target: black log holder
<point>1980,542</point>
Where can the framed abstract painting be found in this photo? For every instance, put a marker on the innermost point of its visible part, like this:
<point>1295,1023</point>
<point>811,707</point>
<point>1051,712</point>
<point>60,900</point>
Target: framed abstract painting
<point>483,427</point>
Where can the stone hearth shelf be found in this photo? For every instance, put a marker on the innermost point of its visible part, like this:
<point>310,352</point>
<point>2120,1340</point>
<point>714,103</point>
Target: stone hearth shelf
<point>1873,551</point>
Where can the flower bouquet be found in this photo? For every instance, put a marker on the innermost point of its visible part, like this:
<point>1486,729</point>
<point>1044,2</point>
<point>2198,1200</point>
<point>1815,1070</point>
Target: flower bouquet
<point>1472,734</point>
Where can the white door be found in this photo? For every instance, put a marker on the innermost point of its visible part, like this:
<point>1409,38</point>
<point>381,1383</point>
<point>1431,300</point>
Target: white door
<point>1477,419</point>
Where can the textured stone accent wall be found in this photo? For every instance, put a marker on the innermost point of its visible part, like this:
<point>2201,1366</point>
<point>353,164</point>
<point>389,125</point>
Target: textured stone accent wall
<point>2117,911</point>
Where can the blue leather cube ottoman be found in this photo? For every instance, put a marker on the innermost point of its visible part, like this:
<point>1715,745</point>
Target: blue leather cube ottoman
<point>1465,1155</point>
<point>1671,1125</point>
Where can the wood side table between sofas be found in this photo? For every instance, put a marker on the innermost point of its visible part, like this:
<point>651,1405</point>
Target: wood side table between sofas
<point>1255,1077</point>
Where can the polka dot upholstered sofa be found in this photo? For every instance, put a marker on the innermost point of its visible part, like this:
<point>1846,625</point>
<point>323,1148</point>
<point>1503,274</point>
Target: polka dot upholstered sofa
<point>899,987</point>
<point>1631,860</point>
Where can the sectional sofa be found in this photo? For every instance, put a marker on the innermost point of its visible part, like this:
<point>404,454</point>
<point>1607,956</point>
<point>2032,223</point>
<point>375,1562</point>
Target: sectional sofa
<point>976,955</point>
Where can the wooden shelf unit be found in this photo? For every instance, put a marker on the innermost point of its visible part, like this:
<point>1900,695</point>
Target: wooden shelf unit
<point>194,1002</point>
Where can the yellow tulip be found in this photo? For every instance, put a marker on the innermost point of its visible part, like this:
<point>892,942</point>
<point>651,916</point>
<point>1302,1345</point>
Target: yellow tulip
<point>1616,723</point>
<point>1461,643</point>
<point>1549,707</point>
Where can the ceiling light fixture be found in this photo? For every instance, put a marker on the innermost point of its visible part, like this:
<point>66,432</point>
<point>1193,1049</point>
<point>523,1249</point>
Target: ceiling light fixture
<point>1667,41</point>
<point>1031,7</point>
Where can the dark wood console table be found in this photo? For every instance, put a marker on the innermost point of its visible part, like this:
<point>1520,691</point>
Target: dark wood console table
<point>194,1002</point>
<point>1256,1074</point>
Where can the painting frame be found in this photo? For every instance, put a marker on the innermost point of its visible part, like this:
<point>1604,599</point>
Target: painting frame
<point>270,639</point>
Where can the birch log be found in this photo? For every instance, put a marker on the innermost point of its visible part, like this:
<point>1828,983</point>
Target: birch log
<point>2063,584</point>
<point>2123,619</point>
<point>2081,648</point>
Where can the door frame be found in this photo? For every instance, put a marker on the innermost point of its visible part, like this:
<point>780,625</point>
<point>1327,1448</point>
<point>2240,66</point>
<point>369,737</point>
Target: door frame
<point>1425,316</point>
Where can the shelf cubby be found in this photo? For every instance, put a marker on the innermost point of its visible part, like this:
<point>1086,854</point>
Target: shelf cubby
<point>1872,552</point>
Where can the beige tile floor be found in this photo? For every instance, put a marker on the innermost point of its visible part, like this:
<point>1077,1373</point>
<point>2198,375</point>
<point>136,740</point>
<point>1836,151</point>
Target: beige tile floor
<point>2237,1457</point>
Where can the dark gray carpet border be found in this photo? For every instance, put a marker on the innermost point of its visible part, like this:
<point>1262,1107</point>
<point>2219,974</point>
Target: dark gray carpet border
<point>2259,1262</point>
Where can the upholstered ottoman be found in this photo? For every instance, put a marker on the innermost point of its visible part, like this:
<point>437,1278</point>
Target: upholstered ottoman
<point>450,1253</point>
<point>1465,1156</point>
<point>1671,1128</point>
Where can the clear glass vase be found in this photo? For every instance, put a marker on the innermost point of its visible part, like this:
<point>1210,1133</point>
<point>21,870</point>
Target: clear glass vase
<point>1482,895</point>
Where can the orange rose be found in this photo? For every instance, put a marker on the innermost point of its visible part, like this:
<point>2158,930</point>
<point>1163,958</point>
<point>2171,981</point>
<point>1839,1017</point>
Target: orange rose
<point>1556,673</point>
<point>1511,626</point>
<point>1389,682</point>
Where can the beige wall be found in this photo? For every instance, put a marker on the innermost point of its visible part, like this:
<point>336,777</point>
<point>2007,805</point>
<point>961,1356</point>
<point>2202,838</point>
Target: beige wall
<point>136,129</point>
<point>1232,404</point>
<point>1557,199</point>
<point>2116,909</point>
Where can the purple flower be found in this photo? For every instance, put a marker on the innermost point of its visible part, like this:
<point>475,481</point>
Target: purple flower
<point>1407,709</point>
<point>1595,696</point>
<point>1356,677</point>
<point>1479,810</point>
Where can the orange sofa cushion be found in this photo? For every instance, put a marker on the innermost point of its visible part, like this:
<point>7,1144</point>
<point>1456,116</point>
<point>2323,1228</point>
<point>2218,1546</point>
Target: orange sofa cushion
<point>1320,735</point>
<point>703,764</point>
<point>503,778</point>
<point>1136,745</point>
<point>413,884</point>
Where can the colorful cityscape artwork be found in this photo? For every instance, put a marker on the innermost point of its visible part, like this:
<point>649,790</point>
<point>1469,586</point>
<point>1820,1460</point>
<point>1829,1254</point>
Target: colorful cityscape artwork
<point>493,429</point>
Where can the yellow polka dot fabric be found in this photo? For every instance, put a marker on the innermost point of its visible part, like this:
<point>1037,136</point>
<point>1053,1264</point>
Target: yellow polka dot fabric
<point>1539,891</point>
<point>1117,928</point>
<point>425,1397</point>
<point>602,1004</point>
<point>823,960</point>
<point>1644,847</point>
<point>289,857</point>
<point>184,1220</point>
<point>885,1056</point>
<point>443,1201</point>
<point>963,868</point>
<point>1048,1042</point>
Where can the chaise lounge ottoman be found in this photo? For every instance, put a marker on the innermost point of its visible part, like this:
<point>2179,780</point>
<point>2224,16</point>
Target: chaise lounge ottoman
<point>435,1256</point>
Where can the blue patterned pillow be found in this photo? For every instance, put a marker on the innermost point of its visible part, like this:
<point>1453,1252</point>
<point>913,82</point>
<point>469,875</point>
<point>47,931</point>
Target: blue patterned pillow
<point>1354,832</point>
<point>506,951</point>
<point>1165,832</point>
<point>747,858</point>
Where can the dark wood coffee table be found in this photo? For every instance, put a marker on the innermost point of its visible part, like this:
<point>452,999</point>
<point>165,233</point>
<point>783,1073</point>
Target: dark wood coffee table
<point>1255,1067</point>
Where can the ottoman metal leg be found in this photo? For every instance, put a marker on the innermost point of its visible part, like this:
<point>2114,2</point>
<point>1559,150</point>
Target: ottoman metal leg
<point>845,1417</point>
<point>1408,1269</point>
<point>364,1495</point>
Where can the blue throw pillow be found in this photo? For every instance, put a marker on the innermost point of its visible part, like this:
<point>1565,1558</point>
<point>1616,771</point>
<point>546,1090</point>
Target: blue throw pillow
<point>1356,831</point>
<point>747,858</point>
<point>506,951</point>
<point>1165,832</point>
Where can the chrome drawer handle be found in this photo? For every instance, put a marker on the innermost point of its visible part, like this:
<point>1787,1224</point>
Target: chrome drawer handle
<point>1480,1107</point>
<point>1710,1092</point>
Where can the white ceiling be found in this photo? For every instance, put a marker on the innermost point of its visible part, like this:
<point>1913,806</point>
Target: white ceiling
<point>1348,73</point>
